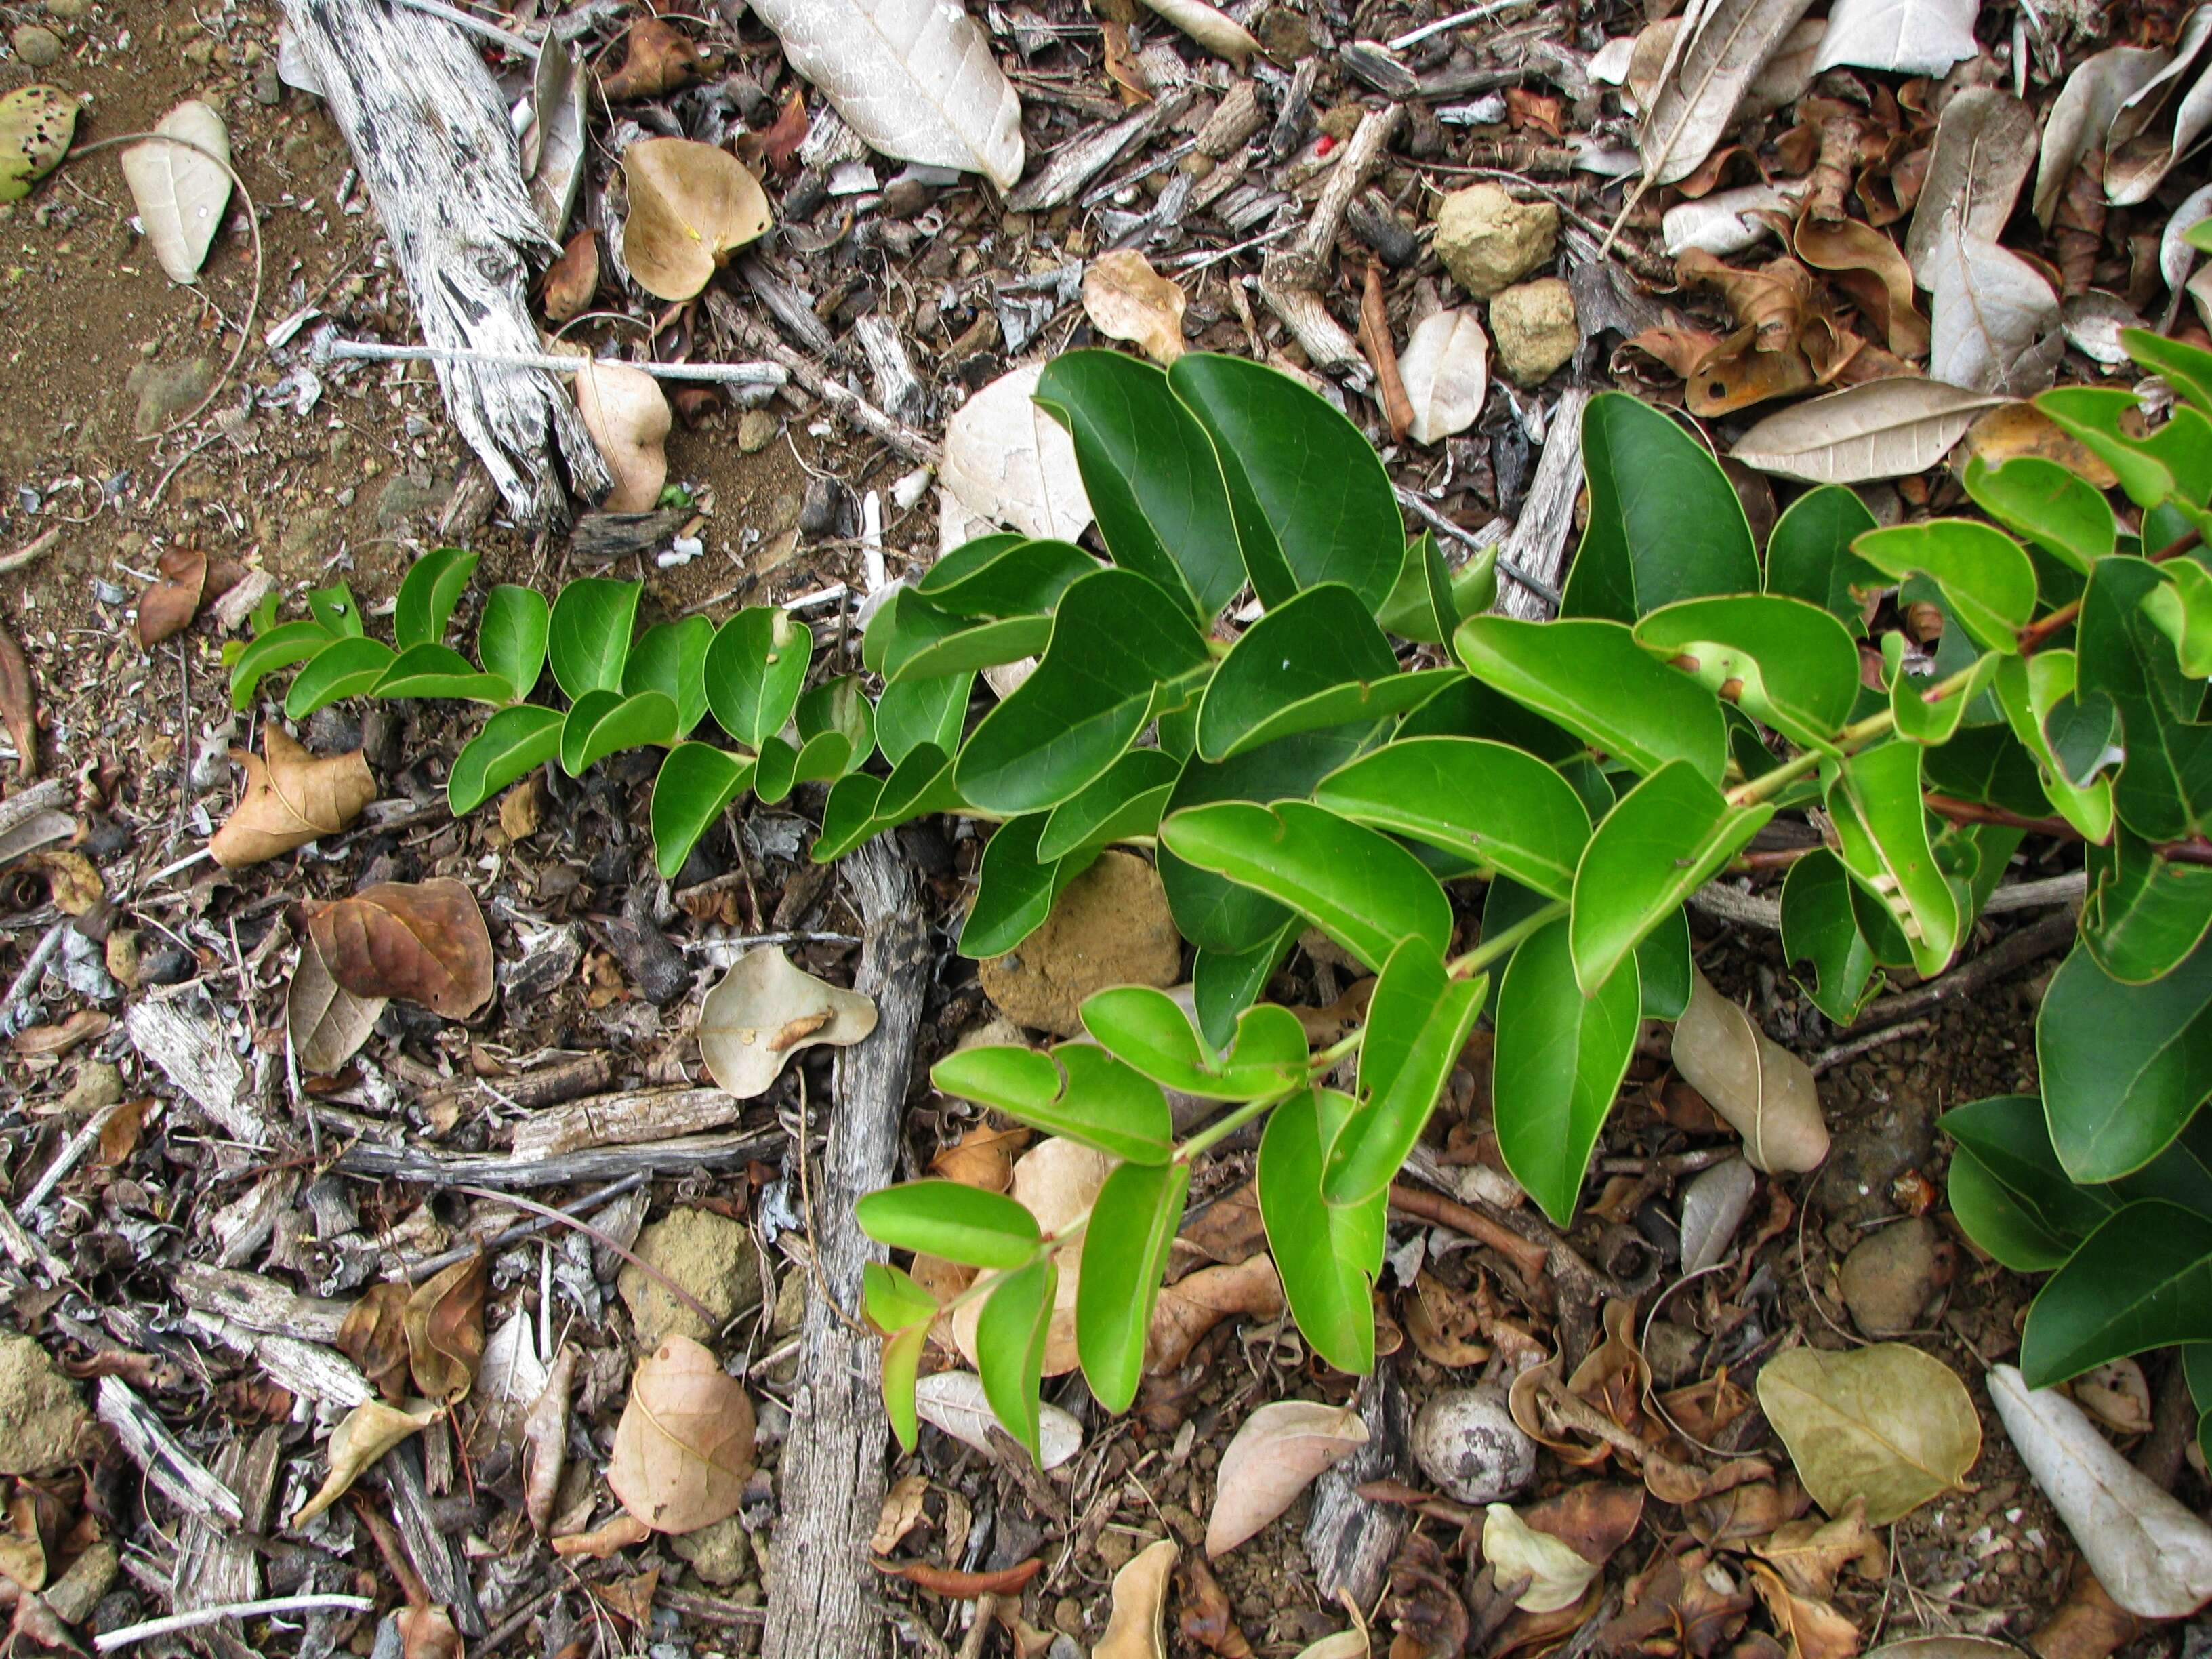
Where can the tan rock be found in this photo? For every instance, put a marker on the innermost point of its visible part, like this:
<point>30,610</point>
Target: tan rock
<point>1111,927</point>
<point>1890,1275</point>
<point>1489,242</point>
<point>1534,325</point>
<point>710,1255</point>
<point>720,1554</point>
<point>42,1420</point>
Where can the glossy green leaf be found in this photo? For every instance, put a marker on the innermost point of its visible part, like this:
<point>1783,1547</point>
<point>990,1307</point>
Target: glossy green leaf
<point>1115,638</point>
<point>1125,799</point>
<point>1314,661</point>
<point>1310,498</point>
<point>2123,1066</point>
<point>1594,679</point>
<point>2028,690</point>
<point>2182,611</point>
<point>1224,984</point>
<point>2171,460</point>
<point>1559,1060</point>
<point>1986,576</point>
<point>1358,886</point>
<point>2020,1205</point>
<point>511,635</point>
<point>1999,1220</point>
<point>2164,793</point>
<point>2058,509</point>
<point>336,610</point>
<point>671,658</point>
<point>2143,1281</point>
<point>1794,667</point>
<point>1015,888</point>
<point>1430,599</point>
<point>964,1224</point>
<point>2187,368</point>
<point>1003,576</point>
<point>1809,557</point>
<point>280,648</point>
<point>901,1311</point>
<point>1500,806</point>
<point>985,644</point>
<point>1124,1252</point>
<point>1919,721</point>
<point>1663,968</point>
<point>1662,842</point>
<point>587,634</point>
<point>915,713</point>
<point>428,593</point>
<point>2145,914</point>
<point>1881,827</point>
<point>1829,957</point>
<point>1418,1022</point>
<point>775,770</point>
<point>1149,1030</point>
<point>1328,1256</point>
<point>602,722</point>
<point>1010,1339</point>
<point>513,741</point>
<point>1665,524</point>
<point>1986,763</point>
<point>1149,473</point>
<point>438,671</point>
<point>892,1298</point>
<point>350,668</point>
<point>756,669</point>
<point>1077,1090</point>
<point>904,620</point>
<point>696,780</point>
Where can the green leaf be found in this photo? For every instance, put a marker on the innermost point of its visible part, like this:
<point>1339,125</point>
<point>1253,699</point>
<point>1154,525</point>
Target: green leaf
<point>1559,1060</point>
<point>2143,1281</point>
<point>349,667</point>
<point>1594,679</point>
<point>587,634</point>
<point>1149,473</point>
<point>986,644</point>
<point>756,669</point>
<point>1124,1252</point>
<point>1010,1339</point>
<point>1985,576</point>
<point>513,741</point>
<point>1994,1217</point>
<point>1430,598</point>
<point>336,610</point>
<point>1986,763</point>
<point>1820,932</point>
<point>1500,806</point>
<point>602,722</point>
<point>1418,1022</point>
<point>775,770</point>
<point>2182,611</point>
<point>1224,984</point>
<point>438,671</point>
<point>2186,369</point>
<point>860,806</point>
<point>964,1224</point>
<point>1115,638</point>
<point>886,1299</point>
<point>1667,836</point>
<point>2008,1190</point>
<point>1125,799</point>
<point>427,594</point>
<point>1809,556</point>
<point>893,1299</point>
<point>2145,914</point>
<point>1328,1256</point>
<point>1665,524</point>
<point>1077,1090</point>
<point>1149,1030</point>
<point>1881,827</point>
<point>2123,1066</point>
<point>1358,886</point>
<point>2173,460</point>
<point>1015,887</point>
<point>836,708</point>
<point>1003,576</point>
<point>1919,721</point>
<point>696,780</point>
<point>915,713</point>
<point>2058,509</point>
<point>1310,497</point>
<point>1314,661</point>
<point>511,635</point>
<point>2164,793</point>
<point>671,658</point>
<point>2196,1365</point>
<point>1663,968</point>
<point>280,648</point>
<point>1794,666</point>
<point>2028,690</point>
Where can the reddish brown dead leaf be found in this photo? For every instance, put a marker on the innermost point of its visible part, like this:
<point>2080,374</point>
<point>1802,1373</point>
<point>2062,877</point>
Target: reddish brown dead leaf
<point>19,704</point>
<point>631,1598</point>
<point>2088,1624</point>
<point>983,1156</point>
<point>1381,353</point>
<point>1872,270</point>
<point>1808,1554</point>
<point>621,1533</point>
<point>1430,1617</point>
<point>661,59</point>
<point>424,941</point>
<point>445,1326</point>
<point>782,137</point>
<point>545,1442</point>
<point>1121,66</point>
<point>426,1633</point>
<point>1593,1519</point>
<point>174,598</point>
<point>1193,1305</point>
<point>1207,1618</point>
<point>120,1129</point>
<point>291,798</point>
<point>570,282</point>
<point>685,1441</point>
<point>81,1026</point>
<point>1690,1597</point>
<point>374,1337</point>
<point>1228,1231</point>
<point>1810,1628</point>
<point>1444,1323</point>
<point>959,1586</point>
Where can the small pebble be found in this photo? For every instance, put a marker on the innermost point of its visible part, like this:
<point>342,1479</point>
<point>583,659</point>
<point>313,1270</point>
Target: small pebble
<point>41,48</point>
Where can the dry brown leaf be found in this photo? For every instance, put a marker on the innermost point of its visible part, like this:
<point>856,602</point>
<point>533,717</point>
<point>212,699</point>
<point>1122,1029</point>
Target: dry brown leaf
<point>180,587</point>
<point>363,1435</point>
<point>425,942</point>
<point>2010,430</point>
<point>180,193</point>
<point>963,1586</point>
<point>1215,30</point>
<point>19,705</point>
<point>1766,1094</point>
<point>630,1598</point>
<point>374,1337</point>
<point>1380,351</point>
<point>1138,1627</point>
<point>1196,1303</point>
<point>1887,429</point>
<point>1886,1424</point>
<point>81,1026</point>
<point>120,1130</point>
<point>2078,118</point>
<point>2088,1625</point>
<point>746,1021</point>
<point>1277,1452</point>
<point>22,1550</point>
<point>660,58</point>
<point>1445,1324</point>
<point>1704,79</point>
<point>1984,151</point>
<point>983,1156</point>
<point>1127,300</point>
<point>627,414</point>
<point>72,883</point>
<point>545,1442</point>
<point>782,137</point>
<point>900,1514</point>
<point>1556,1574</point>
<point>445,1326</point>
<point>684,1446</point>
<point>327,1023</point>
<point>1871,269</point>
<point>291,798</point>
<point>690,204</point>
<point>1813,1629</point>
<point>1229,1230</point>
<point>1593,1519</point>
<point>571,279</point>
<point>427,1632</point>
<point>1808,1554</point>
<point>619,1533</point>
<point>1207,1619</point>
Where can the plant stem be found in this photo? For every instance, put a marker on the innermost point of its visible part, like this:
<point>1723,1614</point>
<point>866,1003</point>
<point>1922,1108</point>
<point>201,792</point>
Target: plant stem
<point>1227,1125</point>
<point>1494,945</point>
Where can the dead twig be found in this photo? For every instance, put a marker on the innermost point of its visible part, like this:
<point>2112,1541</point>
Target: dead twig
<point>1292,279</point>
<point>845,402</point>
<point>129,1635</point>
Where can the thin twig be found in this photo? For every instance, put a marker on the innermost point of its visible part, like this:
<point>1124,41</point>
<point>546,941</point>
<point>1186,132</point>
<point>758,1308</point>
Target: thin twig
<point>514,1235</point>
<point>1439,1211</point>
<point>475,25</point>
<point>718,373</point>
<point>174,1622</point>
<point>13,1008</point>
<point>29,551</point>
<point>1828,1059</point>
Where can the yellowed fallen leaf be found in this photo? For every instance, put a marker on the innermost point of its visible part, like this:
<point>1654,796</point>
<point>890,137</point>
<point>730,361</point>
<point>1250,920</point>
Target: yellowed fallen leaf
<point>1127,300</point>
<point>690,204</point>
<point>1767,1095</point>
<point>1557,1574</point>
<point>1136,1630</point>
<point>291,798</point>
<point>1886,1424</point>
<point>685,1441</point>
<point>363,1435</point>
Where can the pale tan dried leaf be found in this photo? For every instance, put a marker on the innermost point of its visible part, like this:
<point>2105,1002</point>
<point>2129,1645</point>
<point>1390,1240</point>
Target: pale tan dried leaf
<point>1765,1093</point>
<point>914,78</point>
<point>1216,31</point>
<point>363,1435</point>
<point>510,1380</point>
<point>1905,37</point>
<point>445,1327</point>
<point>2176,258</point>
<point>610,1538</point>
<point>1445,368</point>
<point>1886,1424</point>
<point>1277,1452</point>
<point>684,1446</point>
<point>72,881</point>
<point>327,1023</point>
<point>180,193</point>
<point>1885,428</point>
<point>1809,1627</point>
<point>1197,1302</point>
<point>690,204</point>
<point>1127,300</point>
<point>545,1442</point>
<point>627,415</point>
<point>1994,325</point>
<point>2083,112</point>
<point>1137,1629</point>
<point>954,1403</point>
<point>2152,1555</point>
<point>1008,462</point>
<point>1557,1574</point>
<point>765,1010</point>
<point>1984,150</point>
<point>427,1632</point>
<point>1696,101</point>
<point>1946,1647</point>
<point>1809,1554</point>
<point>2160,122</point>
<point>983,1156</point>
<point>1728,220</point>
<point>1056,1181</point>
<point>900,1514</point>
<point>291,798</point>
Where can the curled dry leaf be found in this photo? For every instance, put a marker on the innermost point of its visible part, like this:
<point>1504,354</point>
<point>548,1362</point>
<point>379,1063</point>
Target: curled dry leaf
<point>627,415</point>
<point>959,1586</point>
<point>185,580</point>
<point>1008,462</point>
<point>374,1335</point>
<point>690,204</point>
<point>1056,1181</point>
<point>765,1010</point>
<point>1994,322</point>
<point>444,1328</point>
<point>427,1632</point>
<point>72,883</point>
<point>660,58</point>
<point>2151,1553</point>
<point>1446,372</point>
<point>545,1440</point>
<point>423,942</point>
<point>571,279</point>
<point>983,1156</point>
<point>1215,30</point>
<point>1197,1302</point>
<point>1138,1627</point>
<point>1280,1450</point>
<point>2161,122</point>
<point>1808,1554</point>
<point>901,1512</point>
<point>291,798</point>
<point>1767,1095</point>
<point>1127,300</point>
<point>82,1026</point>
<point>553,148</point>
<point>1703,79</point>
<point>607,1540</point>
<point>180,193</point>
<point>953,1403</point>
<point>1556,1572</point>
<point>1887,1424</point>
<point>684,1446</point>
<point>363,1435</point>
<point>2082,112</point>
<point>326,1023</point>
<point>19,705</point>
<point>1810,1627</point>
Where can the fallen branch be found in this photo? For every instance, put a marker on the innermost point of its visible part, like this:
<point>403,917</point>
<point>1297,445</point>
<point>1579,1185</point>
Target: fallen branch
<point>593,1163</point>
<point>129,1635</point>
<point>769,374</point>
<point>1292,279</point>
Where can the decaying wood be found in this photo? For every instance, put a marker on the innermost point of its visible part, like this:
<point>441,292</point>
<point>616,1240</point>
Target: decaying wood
<point>1350,1540</point>
<point>240,1228</point>
<point>306,1369</point>
<point>183,1038</point>
<point>1233,120</point>
<point>437,1549</point>
<point>1538,545</point>
<point>841,399</point>
<point>450,193</point>
<point>566,1079</point>
<point>820,1601</point>
<point>898,389</point>
<point>35,817</point>
<point>1082,159</point>
<point>145,1441</point>
<point>257,1303</point>
<point>215,1567</point>
<point>629,1118</point>
<point>433,1168</point>
<point>1293,278</point>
